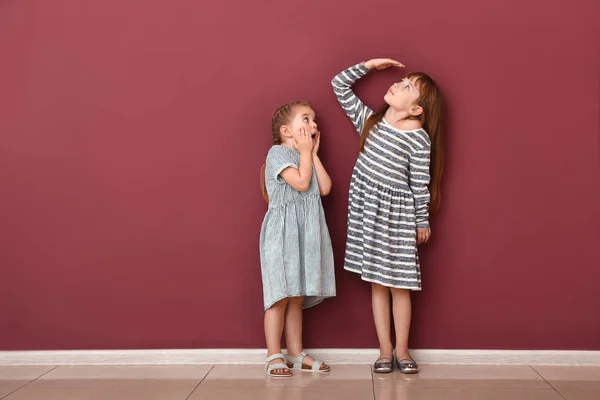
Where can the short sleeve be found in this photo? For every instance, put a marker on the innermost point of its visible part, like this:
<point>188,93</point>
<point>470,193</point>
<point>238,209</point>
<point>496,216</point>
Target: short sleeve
<point>278,159</point>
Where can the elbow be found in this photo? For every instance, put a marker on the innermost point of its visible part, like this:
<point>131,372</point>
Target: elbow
<point>303,187</point>
<point>334,86</point>
<point>325,191</point>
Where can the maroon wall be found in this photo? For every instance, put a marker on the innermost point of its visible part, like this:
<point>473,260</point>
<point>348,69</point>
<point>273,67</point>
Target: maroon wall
<point>133,133</point>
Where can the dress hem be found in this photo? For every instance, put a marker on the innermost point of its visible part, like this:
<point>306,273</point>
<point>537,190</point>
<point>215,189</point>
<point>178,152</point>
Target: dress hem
<point>321,298</point>
<point>414,289</point>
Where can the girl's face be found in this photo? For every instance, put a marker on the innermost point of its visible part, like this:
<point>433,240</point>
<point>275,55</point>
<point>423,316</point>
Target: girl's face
<point>402,96</point>
<point>304,117</point>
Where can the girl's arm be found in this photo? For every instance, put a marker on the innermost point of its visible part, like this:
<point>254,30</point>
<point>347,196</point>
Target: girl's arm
<point>322,176</point>
<point>354,108</point>
<point>419,178</point>
<point>342,83</point>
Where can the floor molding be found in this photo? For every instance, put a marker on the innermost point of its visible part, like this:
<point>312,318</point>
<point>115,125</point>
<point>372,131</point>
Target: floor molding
<point>332,356</point>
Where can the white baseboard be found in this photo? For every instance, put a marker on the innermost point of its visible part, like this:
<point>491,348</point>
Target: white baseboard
<point>257,356</point>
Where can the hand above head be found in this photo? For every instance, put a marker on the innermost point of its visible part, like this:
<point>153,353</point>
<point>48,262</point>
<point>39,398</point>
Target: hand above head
<point>383,63</point>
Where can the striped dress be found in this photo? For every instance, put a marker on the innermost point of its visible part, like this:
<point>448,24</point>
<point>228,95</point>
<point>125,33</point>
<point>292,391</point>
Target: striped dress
<point>389,195</point>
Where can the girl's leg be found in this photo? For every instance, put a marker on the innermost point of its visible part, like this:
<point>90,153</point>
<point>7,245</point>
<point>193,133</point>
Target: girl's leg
<point>293,330</point>
<point>380,301</point>
<point>274,320</point>
<point>402,315</point>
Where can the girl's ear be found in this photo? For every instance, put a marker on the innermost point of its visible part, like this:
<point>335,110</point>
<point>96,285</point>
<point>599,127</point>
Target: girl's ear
<point>416,111</point>
<point>284,130</point>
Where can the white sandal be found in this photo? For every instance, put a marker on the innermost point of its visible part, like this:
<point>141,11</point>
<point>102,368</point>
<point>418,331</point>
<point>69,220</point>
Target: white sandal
<point>297,363</point>
<point>270,369</point>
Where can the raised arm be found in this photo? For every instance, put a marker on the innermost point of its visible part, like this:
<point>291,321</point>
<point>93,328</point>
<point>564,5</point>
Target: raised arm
<point>354,108</point>
<point>342,83</point>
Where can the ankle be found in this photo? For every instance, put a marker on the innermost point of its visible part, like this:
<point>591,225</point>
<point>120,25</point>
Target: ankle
<point>294,354</point>
<point>270,353</point>
<point>402,353</point>
<point>385,352</point>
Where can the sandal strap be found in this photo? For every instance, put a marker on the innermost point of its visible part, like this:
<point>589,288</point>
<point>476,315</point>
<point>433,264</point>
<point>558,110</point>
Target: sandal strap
<point>316,365</point>
<point>272,367</point>
<point>274,357</point>
<point>299,358</point>
<point>298,361</point>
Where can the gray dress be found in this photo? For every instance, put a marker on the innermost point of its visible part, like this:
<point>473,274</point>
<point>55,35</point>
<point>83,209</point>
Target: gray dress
<point>295,248</point>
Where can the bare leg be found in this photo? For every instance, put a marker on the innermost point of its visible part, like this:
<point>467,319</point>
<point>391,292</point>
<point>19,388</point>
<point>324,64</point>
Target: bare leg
<point>293,330</point>
<point>402,316</point>
<point>380,301</point>
<point>274,320</point>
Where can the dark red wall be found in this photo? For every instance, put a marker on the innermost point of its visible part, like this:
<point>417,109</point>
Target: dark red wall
<point>132,133</point>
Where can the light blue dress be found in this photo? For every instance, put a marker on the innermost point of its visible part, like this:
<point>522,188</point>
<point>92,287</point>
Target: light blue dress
<point>295,247</point>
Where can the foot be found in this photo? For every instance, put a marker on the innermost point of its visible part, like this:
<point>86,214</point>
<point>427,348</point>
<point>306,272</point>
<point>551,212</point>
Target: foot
<point>383,364</point>
<point>308,361</point>
<point>406,363</point>
<point>400,354</point>
<point>386,355</point>
<point>280,371</point>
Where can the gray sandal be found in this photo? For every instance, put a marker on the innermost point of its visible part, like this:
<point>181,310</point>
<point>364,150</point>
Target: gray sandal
<point>383,367</point>
<point>407,366</point>
<point>270,369</point>
<point>297,364</point>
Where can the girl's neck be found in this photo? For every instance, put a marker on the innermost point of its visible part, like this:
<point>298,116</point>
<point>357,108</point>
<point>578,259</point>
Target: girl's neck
<point>401,120</point>
<point>289,143</point>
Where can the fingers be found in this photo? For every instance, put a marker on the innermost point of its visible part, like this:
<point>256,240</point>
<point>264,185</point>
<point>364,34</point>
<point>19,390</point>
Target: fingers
<point>423,236</point>
<point>301,135</point>
<point>307,133</point>
<point>395,63</point>
<point>304,140</point>
<point>304,132</point>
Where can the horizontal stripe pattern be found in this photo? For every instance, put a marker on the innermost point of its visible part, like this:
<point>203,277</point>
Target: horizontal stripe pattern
<point>388,197</point>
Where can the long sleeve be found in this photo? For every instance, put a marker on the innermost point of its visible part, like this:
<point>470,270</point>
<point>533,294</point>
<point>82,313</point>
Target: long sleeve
<point>342,83</point>
<point>419,178</point>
